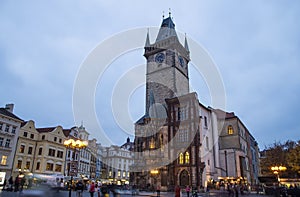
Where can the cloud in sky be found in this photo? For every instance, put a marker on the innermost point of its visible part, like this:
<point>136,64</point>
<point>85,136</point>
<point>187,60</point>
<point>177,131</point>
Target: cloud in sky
<point>255,44</point>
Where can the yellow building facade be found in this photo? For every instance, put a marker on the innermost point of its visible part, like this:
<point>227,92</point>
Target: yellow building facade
<point>39,150</point>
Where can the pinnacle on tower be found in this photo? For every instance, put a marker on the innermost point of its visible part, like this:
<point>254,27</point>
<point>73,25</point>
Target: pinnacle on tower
<point>186,46</point>
<point>147,44</point>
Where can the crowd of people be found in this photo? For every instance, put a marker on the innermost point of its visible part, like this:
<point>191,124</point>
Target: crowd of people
<point>16,184</point>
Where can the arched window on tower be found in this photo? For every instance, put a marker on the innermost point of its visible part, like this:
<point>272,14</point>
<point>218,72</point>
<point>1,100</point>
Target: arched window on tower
<point>230,130</point>
<point>187,157</point>
<point>152,144</point>
<point>180,158</point>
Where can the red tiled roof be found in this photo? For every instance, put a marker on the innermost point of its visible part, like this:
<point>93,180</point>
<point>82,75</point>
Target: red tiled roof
<point>45,130</point>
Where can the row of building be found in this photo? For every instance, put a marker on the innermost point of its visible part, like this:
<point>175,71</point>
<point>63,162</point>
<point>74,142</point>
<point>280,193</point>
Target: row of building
<point>178,141</point>
<point>27,149</point>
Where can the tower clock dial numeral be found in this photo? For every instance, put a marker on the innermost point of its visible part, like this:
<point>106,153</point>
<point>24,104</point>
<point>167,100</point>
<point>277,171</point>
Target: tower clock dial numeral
<point>159,58</point>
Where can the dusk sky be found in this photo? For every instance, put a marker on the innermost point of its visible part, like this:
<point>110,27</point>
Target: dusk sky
<point>254,44</point>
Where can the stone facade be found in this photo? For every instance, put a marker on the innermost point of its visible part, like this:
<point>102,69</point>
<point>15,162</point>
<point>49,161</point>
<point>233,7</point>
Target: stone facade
<point>9,132</point>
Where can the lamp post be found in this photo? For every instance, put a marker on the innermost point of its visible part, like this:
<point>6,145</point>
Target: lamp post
<point>74,145</point>
<point>277,169</point>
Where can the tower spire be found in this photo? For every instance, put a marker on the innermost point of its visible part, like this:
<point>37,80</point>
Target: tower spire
<point>147,44</point>
<point>186,46</point>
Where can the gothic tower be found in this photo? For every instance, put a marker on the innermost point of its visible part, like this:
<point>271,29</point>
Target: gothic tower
<point>167,68</point>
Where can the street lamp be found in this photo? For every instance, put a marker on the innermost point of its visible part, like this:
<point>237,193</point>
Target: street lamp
<point>277,169</point>
<point>73,144</point>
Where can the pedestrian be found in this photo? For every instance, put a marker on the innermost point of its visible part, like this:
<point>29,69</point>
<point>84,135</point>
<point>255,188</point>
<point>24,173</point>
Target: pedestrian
<point>10,184</point>
<point>236,190</point>
<point>79,188</point>
<point>188,189</point>
<point>177,191</point>
<point>158,190</point>
<point>4,184</point>
<point>17,183</point>
<point>92,189</point>
<point>98,190</point>
<point>22,183</point>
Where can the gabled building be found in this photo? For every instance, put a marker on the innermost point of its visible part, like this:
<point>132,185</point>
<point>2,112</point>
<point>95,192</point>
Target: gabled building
<point>40,150</point>
<point>9,131</point>
<point>116,162</point>
<point>238,151</point>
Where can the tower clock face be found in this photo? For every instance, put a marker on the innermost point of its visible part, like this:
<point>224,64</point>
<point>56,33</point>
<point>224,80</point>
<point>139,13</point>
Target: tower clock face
<point>181,61</point>
<point>159,58</point>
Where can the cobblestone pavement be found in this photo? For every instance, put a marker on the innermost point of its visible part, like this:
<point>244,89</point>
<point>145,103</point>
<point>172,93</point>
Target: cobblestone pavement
<point>36,193</point>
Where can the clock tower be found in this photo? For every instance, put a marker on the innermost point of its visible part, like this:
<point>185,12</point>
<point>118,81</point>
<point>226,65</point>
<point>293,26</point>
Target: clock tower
<point>167,68</point>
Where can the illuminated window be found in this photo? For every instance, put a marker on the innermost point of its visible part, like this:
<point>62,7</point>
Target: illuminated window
<point>57,168</point>
<point>119,173</point>
<point>3,160</point>
<point>152,143</point>
<point>19,164</point>
<point>230,130</point>
<point>22,148</point>
<point>110,173</point>
<point>49,167</point>
<point>187,157</point>
<point>124,174</point>
<point>181,158</point>
<point>27,165</point>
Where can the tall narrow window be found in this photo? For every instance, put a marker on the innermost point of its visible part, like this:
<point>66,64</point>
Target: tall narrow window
<point>230,130</point>
<point>40,150</point>
<point>7,143</point>
<point>29,150</point>
<point>22,148</point>
<point>152,143</point>
<point>3,160</point>
<point>205,121</point>
<point>19,164</point>
<point>27,164</point>
<point>7,128</point>
<point>1,141</point>
<point>187,157</point>
<point>181,158</point>
<point>14,130</point>
<point>38,164</point>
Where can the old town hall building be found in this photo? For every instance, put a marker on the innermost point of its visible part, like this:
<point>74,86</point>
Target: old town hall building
<point>178,141</point>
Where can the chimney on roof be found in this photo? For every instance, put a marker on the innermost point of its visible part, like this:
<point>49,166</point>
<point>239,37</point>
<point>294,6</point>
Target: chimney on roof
<point>9,107</point>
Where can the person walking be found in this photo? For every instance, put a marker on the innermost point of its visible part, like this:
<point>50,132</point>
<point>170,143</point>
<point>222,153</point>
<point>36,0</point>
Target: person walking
<point>92,189</point>
<point>177,191</point>
<point>158,190</point>
<point>79,188</point>
<point>98,190</point>
<point>17,183</point>
<point>10,184</point>
<point>188,189</point>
